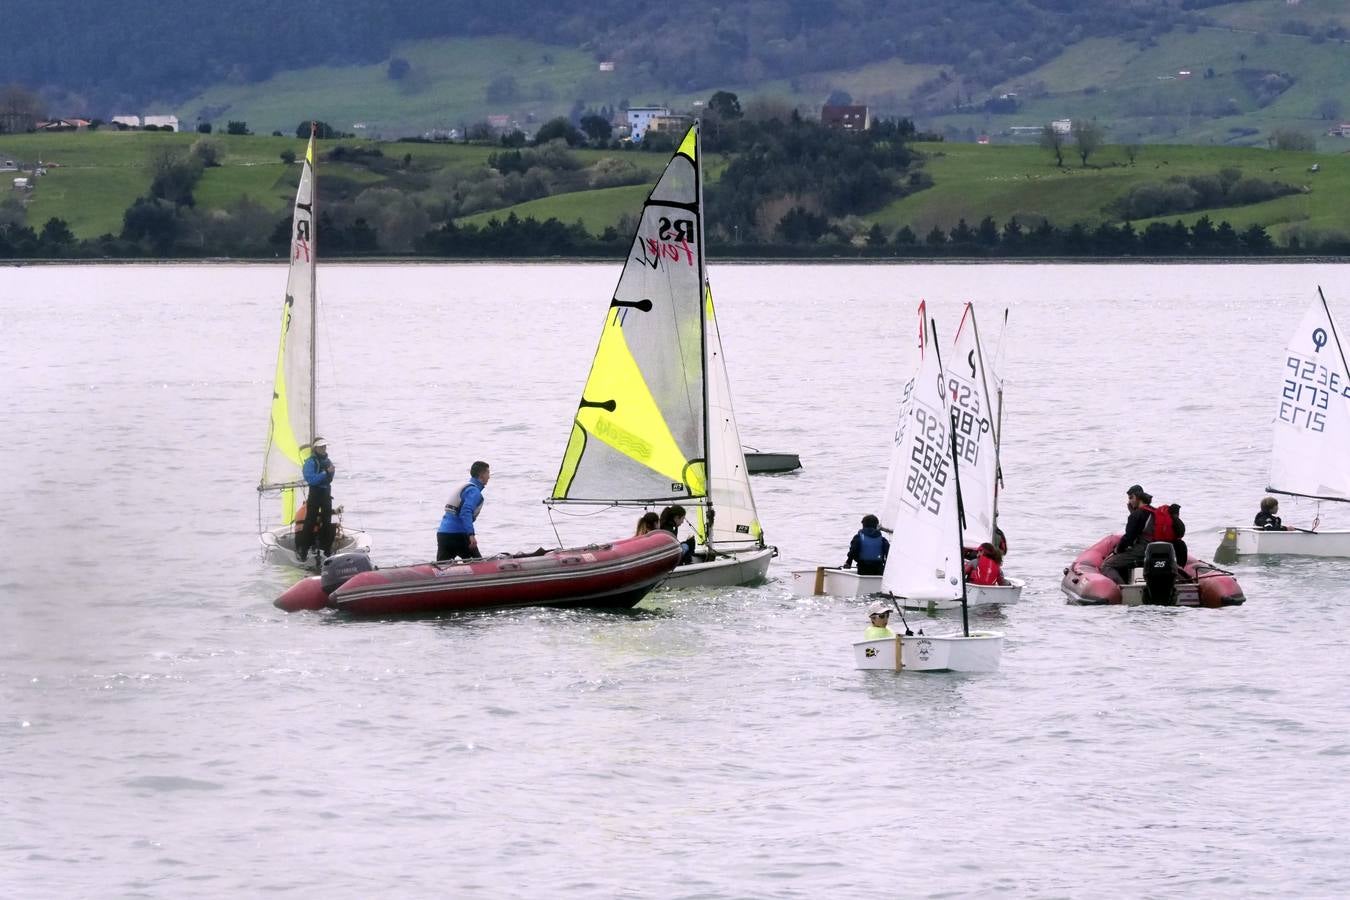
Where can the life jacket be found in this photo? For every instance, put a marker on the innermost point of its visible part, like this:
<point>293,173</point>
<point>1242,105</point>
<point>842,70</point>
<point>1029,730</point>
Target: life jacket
<point>300,515</point>
<point>871,547</point>
<point>457,498</point>
<point>985,571</point>
<point>1163,530</point>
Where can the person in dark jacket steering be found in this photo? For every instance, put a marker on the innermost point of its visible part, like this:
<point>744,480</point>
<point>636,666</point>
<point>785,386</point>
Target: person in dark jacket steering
<point>869,548</point>
<point>318,472</point>
<point>1138,532</point>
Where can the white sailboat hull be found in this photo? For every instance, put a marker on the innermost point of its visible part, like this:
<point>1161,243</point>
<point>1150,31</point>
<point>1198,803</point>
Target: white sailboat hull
<point>833,582</point>
<point>746,567</point>
<point>1241,541</point>
<point>980,652</point>
<point>279,546</point>
<point>847,583</point>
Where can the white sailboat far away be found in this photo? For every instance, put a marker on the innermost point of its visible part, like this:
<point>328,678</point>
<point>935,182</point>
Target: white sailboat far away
<point>292,424</point>
<point>923,500</point>
<point>655,426</point>
<point>977,424</point>
<point>1310,452</point>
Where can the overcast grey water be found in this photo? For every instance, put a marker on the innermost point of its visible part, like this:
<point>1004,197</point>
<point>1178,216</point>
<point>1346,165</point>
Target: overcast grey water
<point>165,732</point>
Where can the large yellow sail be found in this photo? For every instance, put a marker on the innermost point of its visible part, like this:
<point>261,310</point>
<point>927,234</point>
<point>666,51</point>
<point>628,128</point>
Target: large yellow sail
<point>638,435</point>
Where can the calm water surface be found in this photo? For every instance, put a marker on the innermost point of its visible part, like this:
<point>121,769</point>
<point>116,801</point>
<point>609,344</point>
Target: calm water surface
<point>165,732</point>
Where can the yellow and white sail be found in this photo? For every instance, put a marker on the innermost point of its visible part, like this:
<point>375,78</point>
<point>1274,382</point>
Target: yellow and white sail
<point>292,421</point>
<point>656,413</point>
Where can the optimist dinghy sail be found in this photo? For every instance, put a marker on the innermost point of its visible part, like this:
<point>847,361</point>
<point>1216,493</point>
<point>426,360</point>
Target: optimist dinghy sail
<point>292,424</point>
<point>976,422</point>
<point>1309,451</point>
<point>920,506</point>
<point>655,425</point>
<point>1310,454</point>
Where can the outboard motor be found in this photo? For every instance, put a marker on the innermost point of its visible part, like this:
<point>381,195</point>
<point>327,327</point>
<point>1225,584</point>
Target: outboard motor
<point>338,569</point>
<point>1160,574</point>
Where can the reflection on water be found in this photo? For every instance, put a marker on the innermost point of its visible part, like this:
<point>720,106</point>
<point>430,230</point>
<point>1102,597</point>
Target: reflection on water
<point>168,729</point>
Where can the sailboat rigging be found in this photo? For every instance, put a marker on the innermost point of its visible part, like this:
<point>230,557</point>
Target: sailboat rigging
<point>655,424</point>
<point>291,427</point>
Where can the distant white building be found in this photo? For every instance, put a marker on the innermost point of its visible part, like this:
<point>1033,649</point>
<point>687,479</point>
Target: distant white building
<point>607,65</point>
<point>640,119</point>
<point>161,122</point>
<point>1062,126</point>
<point>127,121</point>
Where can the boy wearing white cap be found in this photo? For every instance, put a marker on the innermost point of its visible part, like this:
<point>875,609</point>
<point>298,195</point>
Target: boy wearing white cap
<point>878,614</point>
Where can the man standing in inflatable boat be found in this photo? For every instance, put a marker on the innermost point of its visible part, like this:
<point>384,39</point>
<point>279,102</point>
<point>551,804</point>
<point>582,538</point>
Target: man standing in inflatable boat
<point>456,537</point>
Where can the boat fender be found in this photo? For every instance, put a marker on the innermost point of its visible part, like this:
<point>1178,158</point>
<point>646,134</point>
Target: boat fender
<point>338,569</point>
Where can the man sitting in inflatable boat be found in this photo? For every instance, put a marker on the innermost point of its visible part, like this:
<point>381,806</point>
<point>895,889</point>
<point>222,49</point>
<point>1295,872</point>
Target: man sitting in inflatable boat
<point>1144,525</point>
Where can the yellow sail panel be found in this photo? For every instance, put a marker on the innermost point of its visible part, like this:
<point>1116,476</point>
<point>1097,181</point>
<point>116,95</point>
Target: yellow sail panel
<point>618,409</point>
<point>687,146</point>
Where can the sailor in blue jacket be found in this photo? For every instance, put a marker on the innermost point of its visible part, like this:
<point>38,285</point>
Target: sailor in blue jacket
<point>869,548</point>
<point>318,473</point>
<point>455,537</point>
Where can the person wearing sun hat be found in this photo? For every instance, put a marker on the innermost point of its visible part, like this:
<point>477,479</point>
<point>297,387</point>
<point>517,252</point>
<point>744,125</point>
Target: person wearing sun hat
<point>878,615</point>
<point>318,474</point>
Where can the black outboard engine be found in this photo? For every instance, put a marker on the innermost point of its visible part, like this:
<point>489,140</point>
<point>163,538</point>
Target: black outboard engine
<point>1160,574</point>
<point>338,569</point>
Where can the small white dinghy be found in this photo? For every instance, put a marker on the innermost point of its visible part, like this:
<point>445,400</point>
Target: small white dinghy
<point>1308,454</point>
<point>924,494</point>
<point>979,651</point>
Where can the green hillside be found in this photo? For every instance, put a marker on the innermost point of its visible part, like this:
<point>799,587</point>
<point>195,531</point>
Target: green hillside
<point>447,86</point>
<point>94,177</point>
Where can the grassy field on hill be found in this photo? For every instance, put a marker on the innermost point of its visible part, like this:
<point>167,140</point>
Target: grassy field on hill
<point>446,87</point>
<point>972,181</point>
<point>94,177</point>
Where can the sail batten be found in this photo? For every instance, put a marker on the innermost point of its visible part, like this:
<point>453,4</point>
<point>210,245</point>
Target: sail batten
<point>655,423</point>
<point>1312,412</point>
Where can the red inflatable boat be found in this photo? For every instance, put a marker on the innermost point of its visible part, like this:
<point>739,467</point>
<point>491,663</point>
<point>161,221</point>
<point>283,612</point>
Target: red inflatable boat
<point>615,575</point>
<point>1198,583</point>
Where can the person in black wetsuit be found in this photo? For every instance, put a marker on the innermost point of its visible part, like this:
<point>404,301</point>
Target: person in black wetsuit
<point>1267,518</point>
<point>672,517</point>
<point>1138,532</point>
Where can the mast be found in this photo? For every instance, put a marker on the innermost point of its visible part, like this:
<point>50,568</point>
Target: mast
<point>703,333</point>
<point>313,279</point>
<point>956,477</point>
<point>998,430</point>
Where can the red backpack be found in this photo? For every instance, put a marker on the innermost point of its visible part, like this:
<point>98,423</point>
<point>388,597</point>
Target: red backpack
<point>1162,524</point>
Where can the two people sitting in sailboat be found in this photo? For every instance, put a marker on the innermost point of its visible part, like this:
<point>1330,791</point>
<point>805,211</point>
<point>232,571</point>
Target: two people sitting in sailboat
<point>868,548</point>
<point>317,472</point>
<point>1268,518</point>
<point>455,538</point>
<point>672,517</point>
